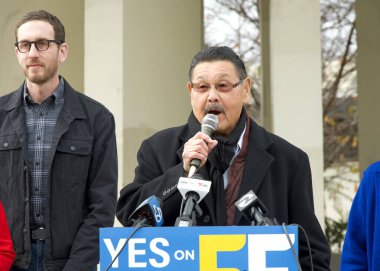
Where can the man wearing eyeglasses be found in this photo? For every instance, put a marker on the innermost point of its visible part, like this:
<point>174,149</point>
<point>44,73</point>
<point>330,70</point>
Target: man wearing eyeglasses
<point>239,157</point>
<point>58,160</point>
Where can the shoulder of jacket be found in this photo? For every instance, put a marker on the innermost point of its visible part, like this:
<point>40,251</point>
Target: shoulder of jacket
<point>373,168</point>
<point>276,142</point>
<point>9,100</point>
<point>168,133</point>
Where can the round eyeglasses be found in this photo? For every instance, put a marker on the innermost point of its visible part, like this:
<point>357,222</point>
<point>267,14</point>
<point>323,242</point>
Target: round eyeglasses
<point>41,45</point>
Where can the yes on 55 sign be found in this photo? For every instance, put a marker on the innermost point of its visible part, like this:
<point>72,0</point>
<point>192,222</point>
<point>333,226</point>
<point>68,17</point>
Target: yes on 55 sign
<point>233,248</point>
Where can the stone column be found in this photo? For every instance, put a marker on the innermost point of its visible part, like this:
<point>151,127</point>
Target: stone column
<point>292,87</point>
<point>137,55</point>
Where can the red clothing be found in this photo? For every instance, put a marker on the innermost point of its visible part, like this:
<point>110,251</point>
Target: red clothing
<point>7,254</point>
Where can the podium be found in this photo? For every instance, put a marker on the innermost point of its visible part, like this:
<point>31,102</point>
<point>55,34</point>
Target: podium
<point>227,248</point>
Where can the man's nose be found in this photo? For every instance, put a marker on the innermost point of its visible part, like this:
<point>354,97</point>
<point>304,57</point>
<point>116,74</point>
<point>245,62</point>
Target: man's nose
<point>213,94</point>
<point>33,50</point>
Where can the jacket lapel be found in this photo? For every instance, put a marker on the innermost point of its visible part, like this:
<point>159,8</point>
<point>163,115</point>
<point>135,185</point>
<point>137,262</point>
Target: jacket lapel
<point>71,110</point>
<point>257,162</point>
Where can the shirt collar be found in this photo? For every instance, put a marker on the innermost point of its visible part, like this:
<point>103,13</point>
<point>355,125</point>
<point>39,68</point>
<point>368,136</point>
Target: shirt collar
<point>240,142</point>
<point>57,93</point>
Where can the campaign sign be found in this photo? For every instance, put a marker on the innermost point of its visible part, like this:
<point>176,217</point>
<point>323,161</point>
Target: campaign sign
<point>231,248</point>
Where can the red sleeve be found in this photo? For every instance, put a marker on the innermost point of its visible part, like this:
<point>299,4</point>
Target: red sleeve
<point>7,254</point>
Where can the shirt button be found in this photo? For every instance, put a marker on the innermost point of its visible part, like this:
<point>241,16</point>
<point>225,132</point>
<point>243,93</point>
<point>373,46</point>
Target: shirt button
<point>72,148</point>
<point>6,144</point>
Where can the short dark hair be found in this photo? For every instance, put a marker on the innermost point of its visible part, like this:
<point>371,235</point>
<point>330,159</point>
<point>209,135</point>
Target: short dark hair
<point>211,54</point>
<point>43,15</point>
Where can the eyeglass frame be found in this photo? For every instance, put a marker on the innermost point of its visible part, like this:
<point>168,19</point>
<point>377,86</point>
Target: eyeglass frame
<point>216,87</point>
<point>58,42</point>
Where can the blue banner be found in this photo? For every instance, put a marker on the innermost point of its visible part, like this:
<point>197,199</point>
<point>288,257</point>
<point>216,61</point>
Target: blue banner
<point>232,248</point>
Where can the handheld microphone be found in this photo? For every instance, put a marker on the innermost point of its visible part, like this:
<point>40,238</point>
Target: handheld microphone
<point>254,210</point>
<point>193,190</point>
<point>148,213</point>
<point>209,125</point>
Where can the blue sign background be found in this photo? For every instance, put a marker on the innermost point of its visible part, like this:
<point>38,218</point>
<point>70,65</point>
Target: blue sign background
<point>182,239</point>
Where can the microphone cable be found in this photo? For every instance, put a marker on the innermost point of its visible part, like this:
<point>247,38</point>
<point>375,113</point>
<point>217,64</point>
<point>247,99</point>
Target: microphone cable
<point>293,249</point>
<point>126,242</point>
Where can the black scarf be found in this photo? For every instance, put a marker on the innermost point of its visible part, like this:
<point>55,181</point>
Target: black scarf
<point>219,160</point>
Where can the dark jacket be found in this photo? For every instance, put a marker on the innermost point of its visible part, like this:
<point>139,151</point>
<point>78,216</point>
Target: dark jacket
<point>82,187</point>
<point>278,172</point>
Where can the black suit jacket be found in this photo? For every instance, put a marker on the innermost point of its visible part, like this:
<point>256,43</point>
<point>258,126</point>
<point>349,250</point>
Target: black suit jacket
<point>278,172</point>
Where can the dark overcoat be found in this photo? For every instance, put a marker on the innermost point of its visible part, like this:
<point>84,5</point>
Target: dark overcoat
<point>278,172</point>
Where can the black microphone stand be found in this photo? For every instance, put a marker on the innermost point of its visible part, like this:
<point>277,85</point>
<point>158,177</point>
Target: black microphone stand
<point>190,212</point>
<point>258,219</point>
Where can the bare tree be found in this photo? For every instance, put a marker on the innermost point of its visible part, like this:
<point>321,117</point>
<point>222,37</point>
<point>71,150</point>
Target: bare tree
<point>339,109</point>
<point>240,22</point>
<point>339,81</point>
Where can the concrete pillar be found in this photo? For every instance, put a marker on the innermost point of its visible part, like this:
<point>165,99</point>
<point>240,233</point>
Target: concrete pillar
<point>136,63</point>
<point>292,81</point>
<point>368,61</point>
<point>103,73</point>
<point>160,39</point>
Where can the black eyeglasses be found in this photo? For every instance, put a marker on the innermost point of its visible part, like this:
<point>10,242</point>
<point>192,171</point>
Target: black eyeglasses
<point>223,87</point>
<point>41,45</point>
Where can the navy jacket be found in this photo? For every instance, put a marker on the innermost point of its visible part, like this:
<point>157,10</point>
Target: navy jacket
<point>82,187</point>
<point>278,172</point>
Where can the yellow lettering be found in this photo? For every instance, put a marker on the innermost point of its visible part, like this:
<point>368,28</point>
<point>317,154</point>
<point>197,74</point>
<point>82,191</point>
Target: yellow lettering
<point>210,245</point>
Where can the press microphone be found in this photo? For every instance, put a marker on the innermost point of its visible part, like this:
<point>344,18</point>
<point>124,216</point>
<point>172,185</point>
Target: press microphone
<point>193,190</point>
<point>149,212</point>
<point>254,210</point>
<point>209,125</point>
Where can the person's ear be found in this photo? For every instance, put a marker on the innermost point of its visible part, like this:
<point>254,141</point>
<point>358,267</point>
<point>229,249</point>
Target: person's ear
<point>247,90</point>
<point>63,51</point>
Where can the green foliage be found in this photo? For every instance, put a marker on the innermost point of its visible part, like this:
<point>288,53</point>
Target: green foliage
<point>335,232</point>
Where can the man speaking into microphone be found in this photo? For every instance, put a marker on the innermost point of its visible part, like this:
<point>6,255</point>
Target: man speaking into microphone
<point>238,157</point>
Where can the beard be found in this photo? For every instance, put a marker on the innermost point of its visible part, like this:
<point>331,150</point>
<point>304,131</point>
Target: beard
<point>41,77</point>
